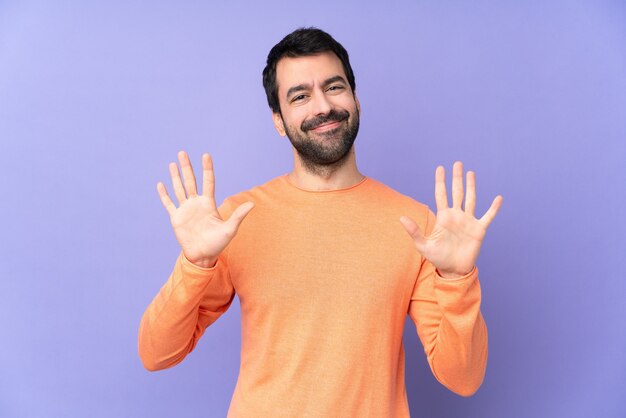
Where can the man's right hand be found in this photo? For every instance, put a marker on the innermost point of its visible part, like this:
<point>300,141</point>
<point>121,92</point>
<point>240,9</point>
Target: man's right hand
<point>199,228</point>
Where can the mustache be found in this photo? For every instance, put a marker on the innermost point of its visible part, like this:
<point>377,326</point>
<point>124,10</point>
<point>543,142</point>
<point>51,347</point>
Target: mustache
<point>332,116</point>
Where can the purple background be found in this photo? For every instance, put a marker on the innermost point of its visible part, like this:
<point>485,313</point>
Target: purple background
<point>96,100</point>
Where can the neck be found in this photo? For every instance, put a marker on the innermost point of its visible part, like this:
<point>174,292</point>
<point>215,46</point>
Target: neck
<point>340,175</point>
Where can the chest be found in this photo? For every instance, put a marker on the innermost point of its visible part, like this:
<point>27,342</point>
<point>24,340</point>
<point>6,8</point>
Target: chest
<point>343,263</point>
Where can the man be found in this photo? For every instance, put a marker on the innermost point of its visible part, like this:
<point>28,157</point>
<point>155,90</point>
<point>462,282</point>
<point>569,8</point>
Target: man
<point>323,265</point>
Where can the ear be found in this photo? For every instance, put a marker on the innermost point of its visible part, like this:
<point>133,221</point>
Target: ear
<point>358,105</point>
<point>278,123</point>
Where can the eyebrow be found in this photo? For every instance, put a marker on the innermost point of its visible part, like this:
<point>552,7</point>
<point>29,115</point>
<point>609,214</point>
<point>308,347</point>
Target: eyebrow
<point>301,87</point>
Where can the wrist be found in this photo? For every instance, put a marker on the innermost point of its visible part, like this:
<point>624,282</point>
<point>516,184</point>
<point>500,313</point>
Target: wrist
<point>205,263</point>
<point>451,275</point>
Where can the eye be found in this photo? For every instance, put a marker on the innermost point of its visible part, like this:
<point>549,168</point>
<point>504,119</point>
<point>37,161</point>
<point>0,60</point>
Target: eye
<point>335,88</point>
<point>298,98</point>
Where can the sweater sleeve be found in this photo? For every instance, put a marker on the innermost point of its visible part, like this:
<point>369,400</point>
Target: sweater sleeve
<point>449,323</point>
<point>192,299</point>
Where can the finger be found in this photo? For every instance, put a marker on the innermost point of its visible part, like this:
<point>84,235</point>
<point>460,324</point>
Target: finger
<point>441,197</point>
<point>188,177</point>
<point>165,198</point>
<point>457,184</point>
<point>179,191</point>
<point>208,177</point>
<point>470,195</point>
<point>414,231</point>
<point>239,214</point>
<point>492,211</point>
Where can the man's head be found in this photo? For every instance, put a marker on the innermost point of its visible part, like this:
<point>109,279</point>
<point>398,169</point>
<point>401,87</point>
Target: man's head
<point>301,43</point>
<point>310,88</point>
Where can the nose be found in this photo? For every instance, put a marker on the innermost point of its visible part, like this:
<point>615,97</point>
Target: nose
<point>320,104</point>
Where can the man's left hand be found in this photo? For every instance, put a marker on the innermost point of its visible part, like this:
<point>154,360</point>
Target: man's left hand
<point>454,243</point>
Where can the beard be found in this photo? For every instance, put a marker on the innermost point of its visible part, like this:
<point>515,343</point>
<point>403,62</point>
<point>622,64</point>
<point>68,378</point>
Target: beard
<point>328,148</point>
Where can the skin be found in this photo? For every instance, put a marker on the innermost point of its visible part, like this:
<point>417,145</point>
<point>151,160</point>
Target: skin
<point>198,226</point>
<point>454,243</point>
<point>305,94</point>
<point>314,98</point>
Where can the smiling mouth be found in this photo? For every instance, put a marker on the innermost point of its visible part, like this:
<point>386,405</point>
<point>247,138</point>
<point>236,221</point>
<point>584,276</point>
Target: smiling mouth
<point>327,126</point>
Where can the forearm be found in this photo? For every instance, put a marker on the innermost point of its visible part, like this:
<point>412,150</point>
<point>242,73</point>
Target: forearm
<point>172,324</point>
<point>458,357</point>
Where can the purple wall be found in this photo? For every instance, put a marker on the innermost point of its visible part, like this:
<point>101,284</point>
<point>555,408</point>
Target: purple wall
<point>95,100</point>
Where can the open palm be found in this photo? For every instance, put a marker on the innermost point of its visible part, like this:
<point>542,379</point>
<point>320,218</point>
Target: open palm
<point>198,226</point>
<point>454,243</point>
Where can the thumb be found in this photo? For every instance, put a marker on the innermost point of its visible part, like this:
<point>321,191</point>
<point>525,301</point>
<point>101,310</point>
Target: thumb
<point>238,214</point>
<point>414,231</point>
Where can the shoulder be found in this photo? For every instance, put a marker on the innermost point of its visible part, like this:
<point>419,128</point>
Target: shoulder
<point>394,197</point>
<point>256,194</point>
<point>398,204</point>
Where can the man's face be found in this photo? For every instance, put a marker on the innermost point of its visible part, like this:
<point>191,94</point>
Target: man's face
<point>319,113</point>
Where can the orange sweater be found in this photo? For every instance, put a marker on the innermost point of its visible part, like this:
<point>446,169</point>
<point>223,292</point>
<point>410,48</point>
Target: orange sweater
<point>325,281</point>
